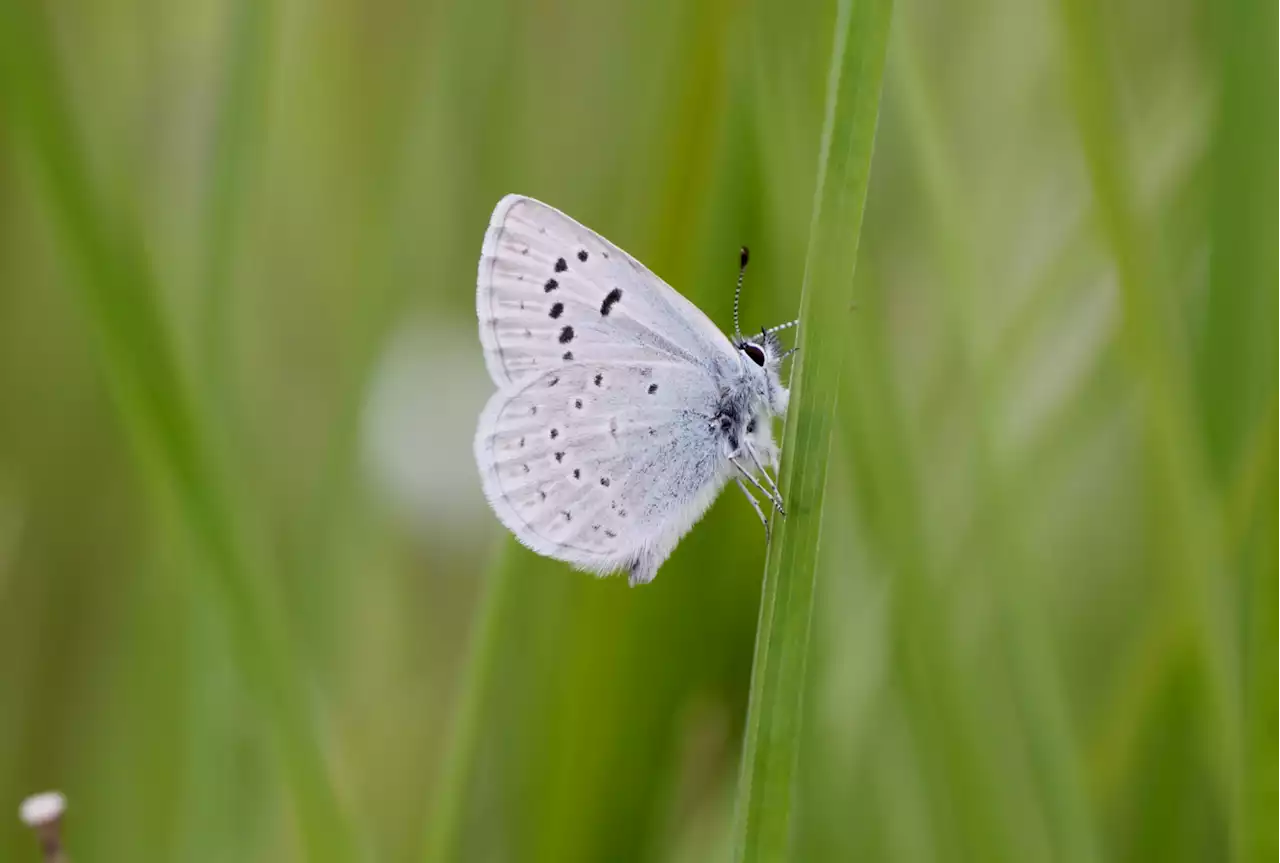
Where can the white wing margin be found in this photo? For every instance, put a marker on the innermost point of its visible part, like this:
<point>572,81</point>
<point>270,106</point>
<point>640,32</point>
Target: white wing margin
<point>602,466</point>
<point>551,291</point>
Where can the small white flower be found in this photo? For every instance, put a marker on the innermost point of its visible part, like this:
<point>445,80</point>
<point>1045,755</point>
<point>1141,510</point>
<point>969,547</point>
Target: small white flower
<point>40,809</point>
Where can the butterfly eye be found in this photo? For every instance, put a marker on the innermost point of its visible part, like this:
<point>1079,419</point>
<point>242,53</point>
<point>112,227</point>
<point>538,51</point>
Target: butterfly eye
<point>753,351</point>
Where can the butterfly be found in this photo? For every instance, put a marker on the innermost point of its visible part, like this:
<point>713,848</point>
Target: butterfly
<point>622,410</point>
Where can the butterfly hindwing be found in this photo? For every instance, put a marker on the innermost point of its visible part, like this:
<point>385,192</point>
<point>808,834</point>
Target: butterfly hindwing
<point>551,292</point>
<point>600,464</point>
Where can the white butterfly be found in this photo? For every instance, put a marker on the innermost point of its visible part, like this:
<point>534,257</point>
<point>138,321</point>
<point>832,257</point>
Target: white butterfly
<point>621,410</point>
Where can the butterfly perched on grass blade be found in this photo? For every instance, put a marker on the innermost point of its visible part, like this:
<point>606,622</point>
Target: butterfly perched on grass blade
<point>621,410</point>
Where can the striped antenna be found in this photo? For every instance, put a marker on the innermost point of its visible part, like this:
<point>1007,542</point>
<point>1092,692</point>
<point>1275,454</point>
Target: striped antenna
<point>743,257</point>
<point>780,327</point>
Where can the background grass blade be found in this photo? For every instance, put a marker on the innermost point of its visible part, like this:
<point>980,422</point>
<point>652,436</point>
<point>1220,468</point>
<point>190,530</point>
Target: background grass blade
<point>878,442</point>
<point>448,808</point>
<point>122,303</point>
<point>1034,674</point>
<point>1179,471</point>
<point>1237,369</point>
<point>237,136</point>
<point>771,749</point>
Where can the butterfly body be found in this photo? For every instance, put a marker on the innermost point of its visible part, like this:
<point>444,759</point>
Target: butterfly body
<point>622,411</point>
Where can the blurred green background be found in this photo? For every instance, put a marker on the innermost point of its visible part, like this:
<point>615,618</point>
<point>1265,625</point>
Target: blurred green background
<point>253,605</point>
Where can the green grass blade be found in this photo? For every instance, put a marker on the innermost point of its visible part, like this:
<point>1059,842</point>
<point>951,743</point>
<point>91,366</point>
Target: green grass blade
<point>1034,674</point>
<point>763,815</point>
<point>236,141</point>
<point>444,822</point>
<point>121,301</point>
<point>228,174</point>
<point>1238,384</point>
<point>1179,475</point>
<point>1236,365</point>
<point>1260,687</point>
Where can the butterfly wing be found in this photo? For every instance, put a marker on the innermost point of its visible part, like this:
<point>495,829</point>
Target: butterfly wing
<point>600,464</point>
<point>551,291</point>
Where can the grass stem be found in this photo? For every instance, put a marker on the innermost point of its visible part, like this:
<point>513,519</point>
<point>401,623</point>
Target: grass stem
<point>763,813</point>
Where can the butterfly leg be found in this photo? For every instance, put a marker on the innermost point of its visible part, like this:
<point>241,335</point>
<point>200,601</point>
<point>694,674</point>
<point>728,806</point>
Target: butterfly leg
<point>776,497</point>
<point>755,504</point>
<point>751,479</point>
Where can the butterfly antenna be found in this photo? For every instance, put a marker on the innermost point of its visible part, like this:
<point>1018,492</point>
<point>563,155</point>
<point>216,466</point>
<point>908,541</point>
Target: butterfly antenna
<point>780,327</point>
<point>743,257</point>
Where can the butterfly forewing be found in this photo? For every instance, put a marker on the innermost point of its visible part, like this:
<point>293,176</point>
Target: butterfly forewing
<point>593,462</point>
<point>552,292</point>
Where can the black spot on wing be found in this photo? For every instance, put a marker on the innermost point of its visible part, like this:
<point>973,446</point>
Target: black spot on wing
<point>599,379</point>
<point>610,300</point>
<point>550,286</point>
<point>561,266</point>
<point>582,255</point>
<point>653,388</point>
<point>567,356</point>
<point>566,335</point>
<point>557,309</point>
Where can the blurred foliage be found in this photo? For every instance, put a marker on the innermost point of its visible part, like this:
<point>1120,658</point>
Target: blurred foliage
<point>253,607</point>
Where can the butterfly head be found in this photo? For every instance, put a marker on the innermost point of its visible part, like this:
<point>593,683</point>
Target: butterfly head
<point>761,357</point>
